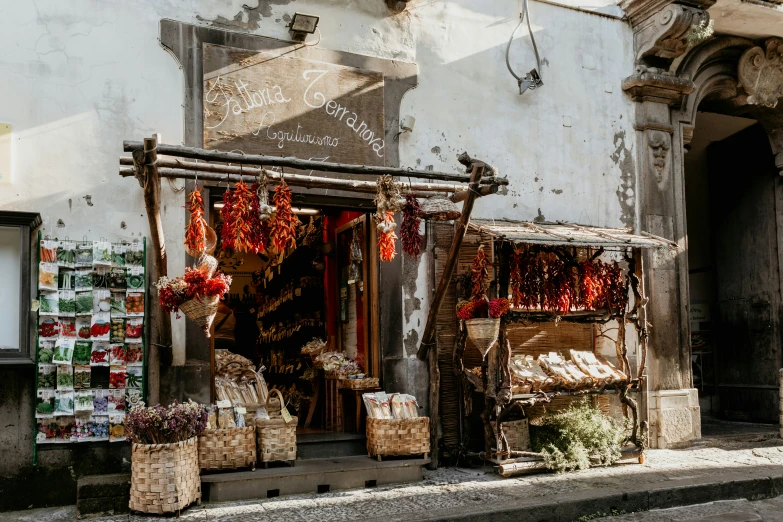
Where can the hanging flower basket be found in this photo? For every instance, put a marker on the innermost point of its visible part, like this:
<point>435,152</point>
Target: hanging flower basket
<point>438,208</point>
<point>483,332</point>
<point>201,310</point>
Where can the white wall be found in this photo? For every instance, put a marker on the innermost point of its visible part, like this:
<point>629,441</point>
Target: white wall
<point>78,77</point>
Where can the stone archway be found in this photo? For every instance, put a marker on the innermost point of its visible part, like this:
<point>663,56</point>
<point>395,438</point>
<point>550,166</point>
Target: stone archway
<point>673,79</point>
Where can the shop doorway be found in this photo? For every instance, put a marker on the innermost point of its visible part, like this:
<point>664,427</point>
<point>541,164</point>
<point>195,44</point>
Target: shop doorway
<point>324,289</point>
<point>734,282</point>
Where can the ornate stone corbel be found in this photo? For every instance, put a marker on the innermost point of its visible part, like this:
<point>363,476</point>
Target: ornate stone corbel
<point>760,73</point>
<point>664,37</point>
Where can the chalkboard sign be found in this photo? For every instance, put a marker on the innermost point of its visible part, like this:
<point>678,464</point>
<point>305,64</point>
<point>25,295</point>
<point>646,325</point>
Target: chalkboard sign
<point>262,103</point>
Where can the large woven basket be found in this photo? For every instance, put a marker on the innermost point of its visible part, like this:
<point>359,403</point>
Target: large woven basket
<point>483,332</point>
<point>227,448</point>
<point>438,208</point>
<point>388,437</point>
<point>164,477</point>
<point>276,438</point>
<point>201,311</point>
<point>517,434</point>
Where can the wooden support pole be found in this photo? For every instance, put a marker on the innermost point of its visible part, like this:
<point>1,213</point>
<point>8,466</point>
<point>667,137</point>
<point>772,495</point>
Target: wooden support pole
<point>295,163</point>
<point>434,373</point>
<point>451,262</point>
<point>250,175</point>
<point>161,325</point>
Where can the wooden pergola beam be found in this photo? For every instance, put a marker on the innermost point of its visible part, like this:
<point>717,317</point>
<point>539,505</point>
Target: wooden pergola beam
<point>296,163</point>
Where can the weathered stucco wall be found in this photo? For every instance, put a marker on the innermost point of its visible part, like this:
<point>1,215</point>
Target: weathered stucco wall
<point>79,77</point>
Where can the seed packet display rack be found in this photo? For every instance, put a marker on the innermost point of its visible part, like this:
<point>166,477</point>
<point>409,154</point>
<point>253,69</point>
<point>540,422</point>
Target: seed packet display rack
<point>86,402</point>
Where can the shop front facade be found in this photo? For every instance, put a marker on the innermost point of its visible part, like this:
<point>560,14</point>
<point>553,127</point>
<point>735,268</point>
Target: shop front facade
<point>595,145</point>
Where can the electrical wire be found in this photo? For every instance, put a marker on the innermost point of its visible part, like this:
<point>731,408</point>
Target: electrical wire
<point>523,15</point>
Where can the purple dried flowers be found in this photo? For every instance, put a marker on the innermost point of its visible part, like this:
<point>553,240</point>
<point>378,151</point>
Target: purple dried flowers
<point>165,425</point>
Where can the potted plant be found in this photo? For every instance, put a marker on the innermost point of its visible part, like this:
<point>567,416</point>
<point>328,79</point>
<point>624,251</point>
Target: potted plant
<point>164,458</point>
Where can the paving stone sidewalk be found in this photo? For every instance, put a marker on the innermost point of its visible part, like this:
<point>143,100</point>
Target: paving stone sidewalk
<point>747,467</point>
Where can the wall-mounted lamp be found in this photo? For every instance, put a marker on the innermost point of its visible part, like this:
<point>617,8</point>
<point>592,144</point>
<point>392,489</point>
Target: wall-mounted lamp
<point>406,125</point>
<point>302,25</point>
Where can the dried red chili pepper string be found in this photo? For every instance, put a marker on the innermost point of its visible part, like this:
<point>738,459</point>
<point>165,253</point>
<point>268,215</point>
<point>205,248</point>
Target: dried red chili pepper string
<point>386,239</point>
<point>283,229</point>
<point>478,274</point>
<point>195,232</point>
<point>411,239</point>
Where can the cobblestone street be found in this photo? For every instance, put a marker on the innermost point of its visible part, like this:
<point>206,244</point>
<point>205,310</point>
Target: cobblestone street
<point>746,467</point>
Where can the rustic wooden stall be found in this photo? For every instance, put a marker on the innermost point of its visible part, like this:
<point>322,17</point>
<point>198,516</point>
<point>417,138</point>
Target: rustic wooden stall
<point>466,378</point>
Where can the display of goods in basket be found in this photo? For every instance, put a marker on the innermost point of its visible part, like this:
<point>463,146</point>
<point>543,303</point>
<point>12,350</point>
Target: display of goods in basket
<point>196,294</point>
<point>164,456</point>
<point>276,436</point>
<point>227,448</point>
<point>314,348</point>
<point>394,426</point>
<point>552,281</point>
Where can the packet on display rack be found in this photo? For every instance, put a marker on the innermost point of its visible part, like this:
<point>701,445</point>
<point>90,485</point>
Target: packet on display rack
<point>48,276</point>
<point>132,398</point>
<point>83,327</point>
<point>44,404</point>
<point>65,427</point>
<point>47,376</point>
<point>48,327</point>
<point>117,332</point>
<point>63,402</point>
<point>46,430</point>
<point>83,402</point>
<point>84,302</point>
<point>100,326</point>
<point>101,253</point>
<point>45,351</point>
<point>66,303</point>
<point>116,428</point>
<point>134,354</point>
<point>117,401</point>
<point>68,327</point>
<point>66,254</point>
<point>134,304</point>
<point>49,304</point>
<point>84,254</point>
<point>100,354</point>
<point>100,402</point>
<point>64,377</point>
<point>81,377</point>
<point>134,327</point>
<point>81,352</point>
<point>133,377</point>
<point>101,301</point>
<point>118,255</point>
<point>63,351</point>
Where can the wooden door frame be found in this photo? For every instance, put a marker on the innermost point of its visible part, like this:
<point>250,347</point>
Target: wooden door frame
<point>370,302</point>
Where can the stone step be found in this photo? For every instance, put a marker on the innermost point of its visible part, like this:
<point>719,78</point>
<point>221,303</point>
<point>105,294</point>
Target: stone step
<point>310,476</point>
<point>104,494</point>
<point>330,445</point>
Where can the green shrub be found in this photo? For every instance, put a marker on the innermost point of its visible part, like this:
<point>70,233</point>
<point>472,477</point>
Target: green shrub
<point>577,438</point>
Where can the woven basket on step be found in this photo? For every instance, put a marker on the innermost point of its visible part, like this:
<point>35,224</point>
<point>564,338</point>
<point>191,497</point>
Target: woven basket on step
<point>201,311</point>
<point>483,332</point>
<point>164,477</point>
<point>227,448</point>
<point>387,437</point>
<point>360,384</point>
<point>438,208</point>
<point>517,434</point>
<point>276,438</point>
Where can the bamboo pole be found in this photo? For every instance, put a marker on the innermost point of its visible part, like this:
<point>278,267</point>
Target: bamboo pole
<point>451,262</point>
<point>295,163</point>
<point>434,372</point>
<point>150,179</point>
<point>250,175</point>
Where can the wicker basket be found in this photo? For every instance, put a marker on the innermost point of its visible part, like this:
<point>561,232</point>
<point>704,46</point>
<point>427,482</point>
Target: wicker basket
<point>164,477</point>
<point>483,332</point>
<point>386,437</point>
<point>227,448</point>
<point>210,242</point>
<point>201,311</point>
<point>360,384</point>
<point>276,438</point>
<point>517,434</point>
<point>438,208</point>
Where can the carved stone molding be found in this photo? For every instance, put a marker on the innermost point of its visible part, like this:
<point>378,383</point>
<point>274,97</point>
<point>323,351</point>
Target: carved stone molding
<point>651,84</point>
<point>659,146</point>
<point>637,11</point>
<point>760,73</point>
<point>664,36</point>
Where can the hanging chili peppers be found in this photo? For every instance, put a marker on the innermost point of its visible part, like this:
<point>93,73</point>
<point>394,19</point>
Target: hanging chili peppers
<point>241,218</point>
<point>283,229</point>
<point>227,231</point>
<point>195,232</point>
<point>387,238</point>
<point>478,274</point>
<point>544,281</point>
<point>411,239</point>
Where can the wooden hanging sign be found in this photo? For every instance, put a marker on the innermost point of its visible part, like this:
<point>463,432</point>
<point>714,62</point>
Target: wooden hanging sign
<point>262,103</point>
